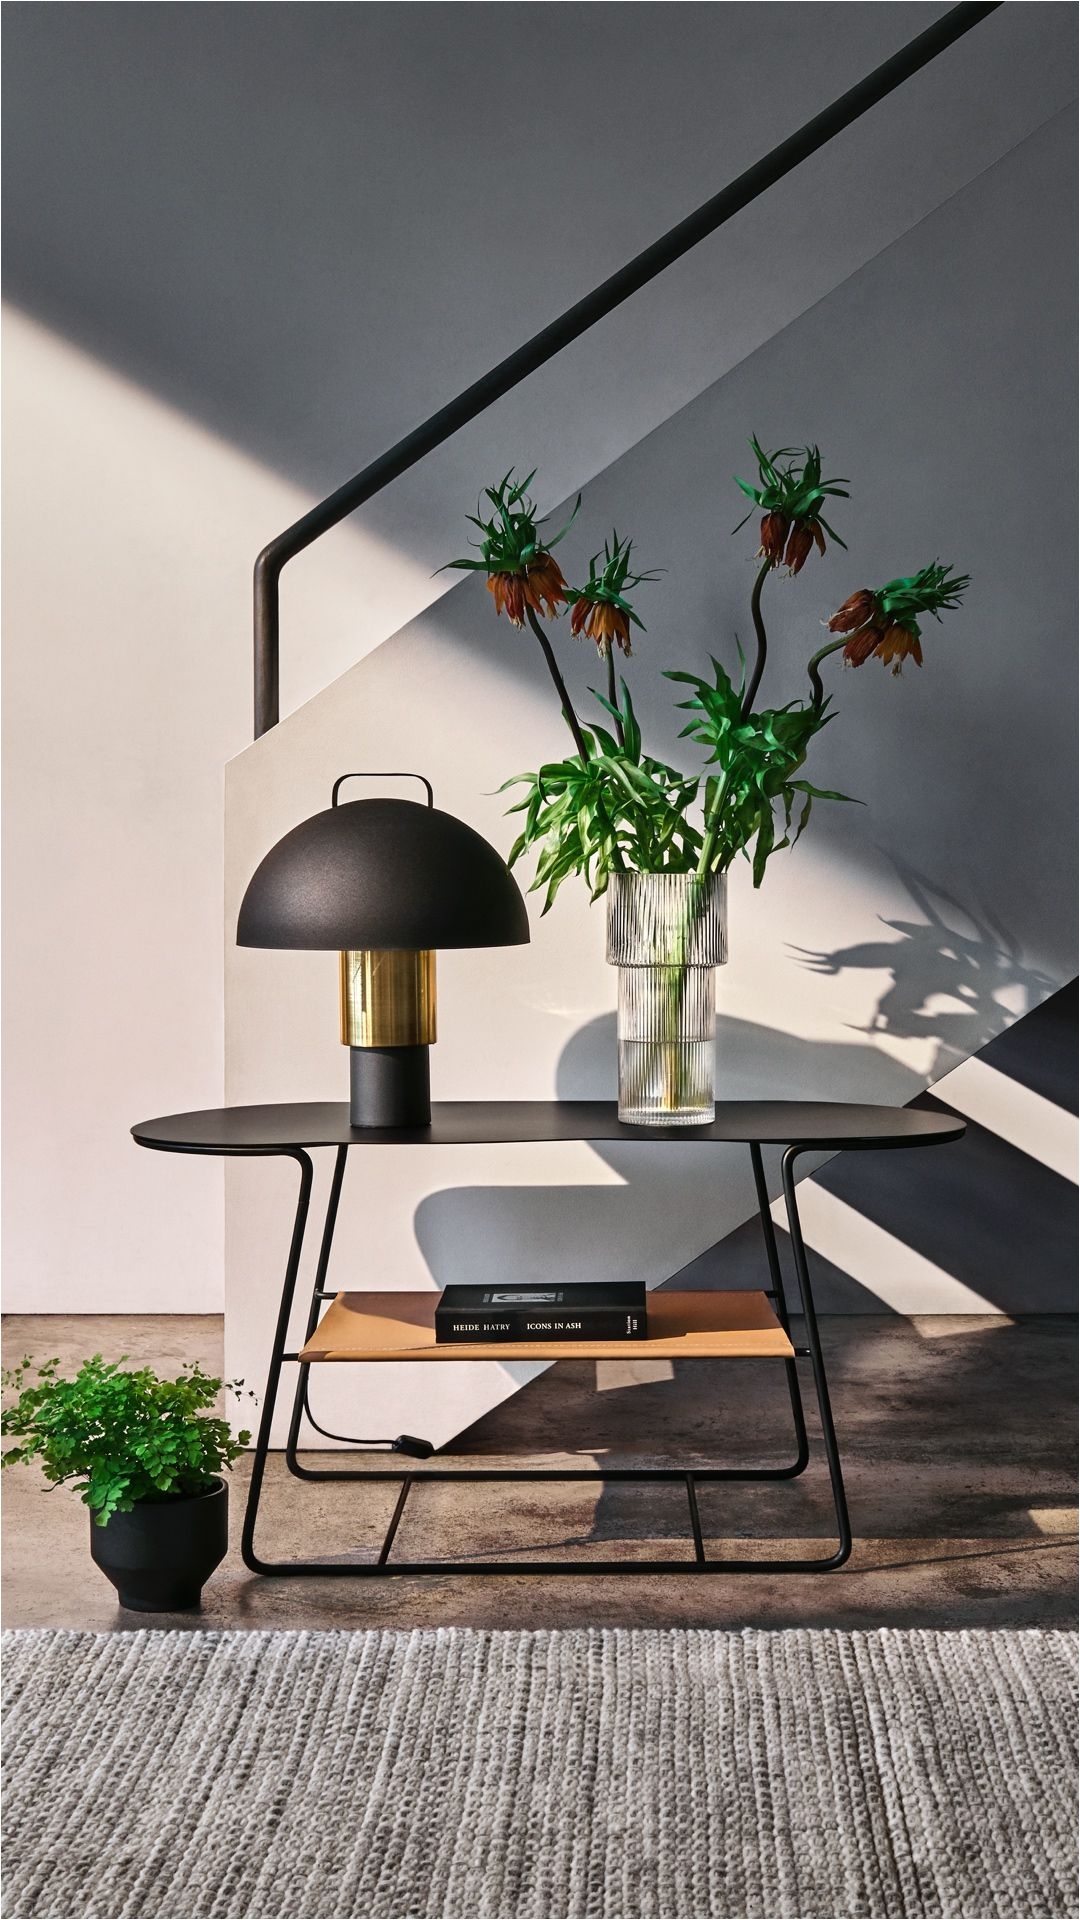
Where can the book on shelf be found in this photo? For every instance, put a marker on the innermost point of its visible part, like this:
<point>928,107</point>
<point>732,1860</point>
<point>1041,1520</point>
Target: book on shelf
<point>613,1310</point>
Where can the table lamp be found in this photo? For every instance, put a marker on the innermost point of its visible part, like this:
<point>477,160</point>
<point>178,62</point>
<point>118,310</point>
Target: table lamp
<point>385,882</point>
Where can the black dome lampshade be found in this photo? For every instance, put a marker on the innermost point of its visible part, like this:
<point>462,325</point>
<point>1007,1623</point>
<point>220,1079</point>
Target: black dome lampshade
<point>385,882</point>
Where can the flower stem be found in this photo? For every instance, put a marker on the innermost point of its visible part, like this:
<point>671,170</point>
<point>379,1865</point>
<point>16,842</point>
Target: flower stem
<point>568,713</point>
<point>750,695</point>
<point>712,823</point>
<point>712,829</point>
<point>813,665</point>
<point>613,695</point>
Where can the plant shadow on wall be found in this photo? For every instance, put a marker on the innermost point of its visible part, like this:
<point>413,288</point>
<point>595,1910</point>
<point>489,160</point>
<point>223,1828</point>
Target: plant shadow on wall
<point>998,1214</point>
<point>958,976</point>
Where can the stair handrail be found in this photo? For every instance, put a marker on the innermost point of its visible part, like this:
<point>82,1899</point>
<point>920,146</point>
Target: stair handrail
<point>560,333</point>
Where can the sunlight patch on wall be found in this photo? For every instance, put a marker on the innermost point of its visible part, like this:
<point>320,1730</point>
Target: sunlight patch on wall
<point>339,600</point>
<point>127,685</point>
<point>1024,1119</point>
<point>902,1279</point>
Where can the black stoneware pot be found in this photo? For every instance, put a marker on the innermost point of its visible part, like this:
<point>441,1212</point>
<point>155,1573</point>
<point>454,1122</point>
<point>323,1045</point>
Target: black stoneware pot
<point>160,1555</point>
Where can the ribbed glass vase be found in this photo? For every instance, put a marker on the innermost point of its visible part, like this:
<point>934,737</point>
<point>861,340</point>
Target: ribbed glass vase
<point>666,934</point>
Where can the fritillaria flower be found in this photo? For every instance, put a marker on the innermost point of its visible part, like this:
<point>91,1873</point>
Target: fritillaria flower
<point>857,610</point>
<point>601,609</point>
<point>804,535</point>
<point>603,622</point>
<point>775,528</point>
<point>539,585</point>
<point>523,575</point>
<point>791,493</point>
<point>883,622</point>
<point>897,644</point>
<point>862,644</point>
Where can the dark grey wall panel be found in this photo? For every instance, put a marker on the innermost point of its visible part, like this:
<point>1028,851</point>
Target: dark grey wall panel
<point>1039,1052</point>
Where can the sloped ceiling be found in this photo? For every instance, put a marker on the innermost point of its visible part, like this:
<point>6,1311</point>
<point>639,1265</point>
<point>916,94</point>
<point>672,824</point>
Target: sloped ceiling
<point>309,225</point>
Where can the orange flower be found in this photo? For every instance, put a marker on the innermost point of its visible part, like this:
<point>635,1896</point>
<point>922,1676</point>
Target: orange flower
<point>774,533</point>
<point>602,622</point>
<point>892,644</point>
<point>898,644</point>
<point>857,610</point>
<point>509,595</point>
<point>861,645</point>
<point>791,494</point>
<point>883,622</point>
<point>804,535</point>
<point>539,585</point>
<point>874,631</point>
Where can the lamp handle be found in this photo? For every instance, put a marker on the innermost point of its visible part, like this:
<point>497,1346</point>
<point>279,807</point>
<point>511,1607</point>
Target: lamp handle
<point>342,777</point>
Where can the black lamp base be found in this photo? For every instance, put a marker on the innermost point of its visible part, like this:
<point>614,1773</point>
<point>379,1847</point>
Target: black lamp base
<point>389,1087</point>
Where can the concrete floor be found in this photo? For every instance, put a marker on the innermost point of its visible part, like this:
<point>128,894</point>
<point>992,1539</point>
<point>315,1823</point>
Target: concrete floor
<point>957,1437</point>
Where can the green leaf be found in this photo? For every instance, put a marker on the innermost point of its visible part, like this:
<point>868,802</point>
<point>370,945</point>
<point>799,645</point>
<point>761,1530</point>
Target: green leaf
<point>120,1435</point>
<point>831,531</point>
<point>826,793</point>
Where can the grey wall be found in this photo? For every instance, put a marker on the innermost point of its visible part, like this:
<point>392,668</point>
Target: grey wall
<point>936,378</point>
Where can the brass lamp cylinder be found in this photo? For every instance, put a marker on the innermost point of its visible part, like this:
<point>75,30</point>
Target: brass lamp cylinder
<point>387,998</point>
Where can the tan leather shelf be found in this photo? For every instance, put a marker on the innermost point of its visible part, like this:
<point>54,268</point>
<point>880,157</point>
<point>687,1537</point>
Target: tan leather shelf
<point>682,1326</point>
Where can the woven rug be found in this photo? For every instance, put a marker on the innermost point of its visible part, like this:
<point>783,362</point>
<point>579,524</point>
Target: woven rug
<point>458,1773</point>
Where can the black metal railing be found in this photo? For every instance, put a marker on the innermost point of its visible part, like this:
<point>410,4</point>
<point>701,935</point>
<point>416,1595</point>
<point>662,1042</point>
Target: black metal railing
<point>571,325</point>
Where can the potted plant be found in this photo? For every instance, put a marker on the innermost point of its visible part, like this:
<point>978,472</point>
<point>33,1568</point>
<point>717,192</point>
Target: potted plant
<point>656,840</point>
<point>146,1458</point>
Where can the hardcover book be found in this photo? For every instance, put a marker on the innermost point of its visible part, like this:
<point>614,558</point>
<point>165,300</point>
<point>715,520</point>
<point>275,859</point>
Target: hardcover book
<point>610,1311</point>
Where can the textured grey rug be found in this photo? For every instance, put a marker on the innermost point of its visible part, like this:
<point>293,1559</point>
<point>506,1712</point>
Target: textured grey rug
<point>552,1774</point>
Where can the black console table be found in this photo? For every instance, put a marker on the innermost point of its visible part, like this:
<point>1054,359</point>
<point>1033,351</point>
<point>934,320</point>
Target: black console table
<point>388,1326</point>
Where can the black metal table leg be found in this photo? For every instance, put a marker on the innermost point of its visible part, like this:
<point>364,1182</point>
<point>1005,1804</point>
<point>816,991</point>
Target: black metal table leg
<point>273,1376</point>
<point>301,1409</point>
<point>814,1354</point>
<point>776,1272</point>
<point>817,1362</point>
<point>301,1398</point>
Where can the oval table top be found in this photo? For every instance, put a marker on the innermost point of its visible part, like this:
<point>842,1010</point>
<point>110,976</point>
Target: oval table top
<point>284,1126</point>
